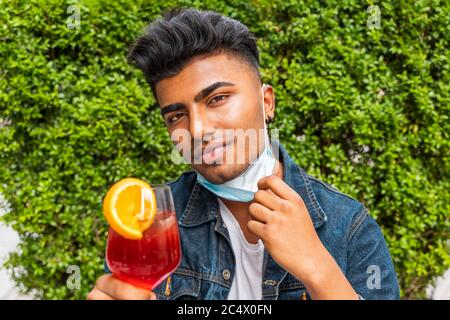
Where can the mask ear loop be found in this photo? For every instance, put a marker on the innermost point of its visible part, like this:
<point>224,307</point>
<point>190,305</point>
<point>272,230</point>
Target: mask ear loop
<point>266,131</point>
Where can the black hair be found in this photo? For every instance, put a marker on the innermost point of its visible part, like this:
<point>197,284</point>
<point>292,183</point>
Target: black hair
<point>170,42</point>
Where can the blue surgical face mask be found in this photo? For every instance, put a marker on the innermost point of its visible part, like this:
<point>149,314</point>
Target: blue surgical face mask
<point>243,187</point>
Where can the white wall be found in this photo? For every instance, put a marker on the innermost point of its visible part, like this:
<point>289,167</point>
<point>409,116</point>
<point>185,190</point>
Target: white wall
<point>8,242</point>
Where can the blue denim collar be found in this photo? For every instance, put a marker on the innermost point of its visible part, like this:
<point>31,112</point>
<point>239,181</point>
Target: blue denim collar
<point>202,205</point>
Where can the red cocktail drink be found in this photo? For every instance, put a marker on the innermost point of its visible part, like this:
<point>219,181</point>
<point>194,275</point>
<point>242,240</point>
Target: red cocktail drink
<point>146,262</point>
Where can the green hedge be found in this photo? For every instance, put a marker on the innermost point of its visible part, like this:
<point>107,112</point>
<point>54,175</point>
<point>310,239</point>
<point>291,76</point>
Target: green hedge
<point>365,109</point>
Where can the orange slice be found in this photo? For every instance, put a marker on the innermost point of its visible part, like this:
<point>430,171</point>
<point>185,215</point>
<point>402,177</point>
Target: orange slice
<point>130,207</point>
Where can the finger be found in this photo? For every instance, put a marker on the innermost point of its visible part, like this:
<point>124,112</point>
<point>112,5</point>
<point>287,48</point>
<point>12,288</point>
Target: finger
<point>257,228</point>
<point>96,294</point>
<point>267,199</point>
<point>121,290</point>
<point>277,186</point>
<point>259,212</point>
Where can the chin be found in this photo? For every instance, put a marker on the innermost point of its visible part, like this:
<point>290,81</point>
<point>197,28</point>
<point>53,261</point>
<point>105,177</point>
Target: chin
<point>220,173</point>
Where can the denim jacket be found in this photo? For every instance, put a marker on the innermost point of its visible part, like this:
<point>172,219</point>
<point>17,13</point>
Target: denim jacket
<point>343,225</point>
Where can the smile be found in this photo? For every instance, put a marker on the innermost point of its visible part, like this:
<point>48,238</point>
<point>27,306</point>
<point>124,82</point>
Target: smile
<point>213,153</point>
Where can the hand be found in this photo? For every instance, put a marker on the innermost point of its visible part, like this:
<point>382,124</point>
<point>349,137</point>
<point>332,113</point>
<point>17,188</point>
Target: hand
<point>283,223</point>
<point>108,287</point>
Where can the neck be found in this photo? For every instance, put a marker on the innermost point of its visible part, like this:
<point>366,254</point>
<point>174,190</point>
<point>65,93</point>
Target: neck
<point>240,209</point>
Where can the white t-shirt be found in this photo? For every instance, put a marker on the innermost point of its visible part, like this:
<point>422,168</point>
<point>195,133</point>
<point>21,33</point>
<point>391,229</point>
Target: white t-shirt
<point>247,280</point>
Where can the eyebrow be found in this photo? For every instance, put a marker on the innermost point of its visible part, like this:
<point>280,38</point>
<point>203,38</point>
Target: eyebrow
<point>172,107</point>
<point>198,97</point>
<point>206,91</point>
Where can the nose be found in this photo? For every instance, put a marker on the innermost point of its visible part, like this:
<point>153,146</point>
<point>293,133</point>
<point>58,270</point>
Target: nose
<point>200,128</point>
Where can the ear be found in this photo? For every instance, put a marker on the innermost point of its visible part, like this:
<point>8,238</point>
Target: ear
<point>269,101</point>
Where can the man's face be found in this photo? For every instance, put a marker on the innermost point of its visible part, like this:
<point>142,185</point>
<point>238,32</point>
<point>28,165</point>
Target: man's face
<point>217,101</point>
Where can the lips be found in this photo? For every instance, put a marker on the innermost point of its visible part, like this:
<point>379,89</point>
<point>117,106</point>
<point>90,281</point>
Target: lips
<point>211,153</point>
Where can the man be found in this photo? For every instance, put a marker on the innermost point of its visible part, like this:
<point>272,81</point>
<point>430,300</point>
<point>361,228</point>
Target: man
<point>259,228</point>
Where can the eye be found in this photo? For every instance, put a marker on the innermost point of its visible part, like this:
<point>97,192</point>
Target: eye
<point>174,118</point>
<point>218,98</point>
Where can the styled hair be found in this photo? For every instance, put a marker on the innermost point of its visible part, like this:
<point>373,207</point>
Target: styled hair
<point>170,42</point>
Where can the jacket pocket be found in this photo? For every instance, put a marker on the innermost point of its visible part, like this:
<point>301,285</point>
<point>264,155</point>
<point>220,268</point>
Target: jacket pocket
<point>179,286</point>
<point>294,290</point>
